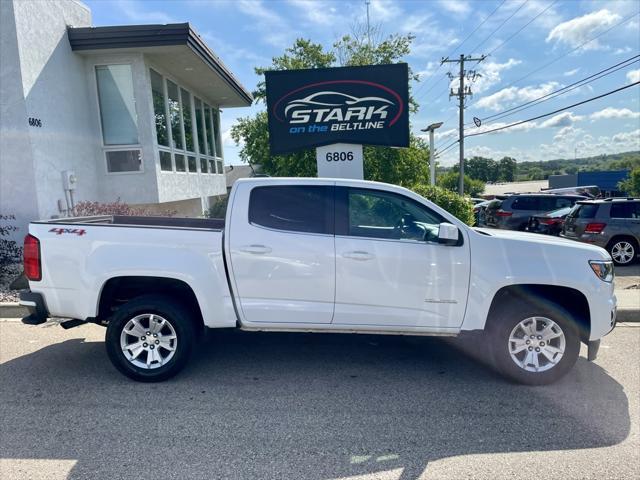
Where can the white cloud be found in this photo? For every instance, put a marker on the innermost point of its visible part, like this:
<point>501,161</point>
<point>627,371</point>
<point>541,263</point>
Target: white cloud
<point>632,139</point>
<point>611,112</point>
<point>578,30</point>
<point>570,73</point>
<point>620,51</point>
<point>490,74</point>
<point>384,10</point>
<point>567,133</point>
<point>633,76</point>
<point>316,12</point>
<point>273,27</point>
<point>456,7</point>
<point>135,12</point>
<point>564,119</point>
<point>511,95</point>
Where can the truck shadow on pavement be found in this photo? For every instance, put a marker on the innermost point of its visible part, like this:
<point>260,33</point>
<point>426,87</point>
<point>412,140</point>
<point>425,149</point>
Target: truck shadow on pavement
<point>293,406</point>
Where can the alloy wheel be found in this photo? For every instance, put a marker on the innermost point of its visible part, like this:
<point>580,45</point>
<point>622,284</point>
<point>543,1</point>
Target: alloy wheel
<point>536,344</point>
<point>148,341</point>
<point>622,252</point>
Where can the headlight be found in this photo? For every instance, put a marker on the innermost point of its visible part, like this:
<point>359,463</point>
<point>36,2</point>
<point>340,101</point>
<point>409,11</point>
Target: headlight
<point>603,269</point>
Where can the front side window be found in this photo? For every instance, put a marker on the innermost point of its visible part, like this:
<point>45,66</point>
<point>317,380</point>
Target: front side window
<point>117,104</point>
<point>386,215</point>
<point>307,209</point>
<point>526,203</point>
<point>124,161</point>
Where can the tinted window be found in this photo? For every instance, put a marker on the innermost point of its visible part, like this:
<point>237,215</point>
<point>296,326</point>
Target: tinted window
<point>306,209</point>
<point>378,214</point>
<point>584,211</point>
<point>625,210</point>
<point>526,203</point>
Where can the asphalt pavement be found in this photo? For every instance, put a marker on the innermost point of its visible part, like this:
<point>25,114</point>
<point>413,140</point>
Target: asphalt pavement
<point>311,406</point>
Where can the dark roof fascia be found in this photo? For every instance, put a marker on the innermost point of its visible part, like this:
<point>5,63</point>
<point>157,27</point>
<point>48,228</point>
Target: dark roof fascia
<point>132,36</point>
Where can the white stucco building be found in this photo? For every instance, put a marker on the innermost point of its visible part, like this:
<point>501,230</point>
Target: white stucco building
<point>132,112</point>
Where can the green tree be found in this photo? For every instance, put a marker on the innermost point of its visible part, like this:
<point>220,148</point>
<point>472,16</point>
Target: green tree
<point>399,166</point>
<point>631,186</point>
<point>506,169</point>
<point>472,187</point>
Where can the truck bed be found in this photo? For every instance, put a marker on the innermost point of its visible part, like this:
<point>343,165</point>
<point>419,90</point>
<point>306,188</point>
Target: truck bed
<point>138,221</point>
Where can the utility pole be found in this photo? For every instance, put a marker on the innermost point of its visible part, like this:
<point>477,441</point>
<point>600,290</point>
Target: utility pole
<point>367,2</point>
<point>461,94</point>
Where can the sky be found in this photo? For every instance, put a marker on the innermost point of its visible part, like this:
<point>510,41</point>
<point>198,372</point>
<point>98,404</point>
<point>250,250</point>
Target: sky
<point>536,47</point>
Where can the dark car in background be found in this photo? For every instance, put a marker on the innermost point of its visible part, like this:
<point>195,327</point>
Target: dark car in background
<point>513,212</point>
<point>613,224</point>
<point>549,223</point>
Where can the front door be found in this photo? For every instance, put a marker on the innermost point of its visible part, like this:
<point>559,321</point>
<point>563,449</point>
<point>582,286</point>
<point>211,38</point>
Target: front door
<point>282,253</point>
<point>390,268</point>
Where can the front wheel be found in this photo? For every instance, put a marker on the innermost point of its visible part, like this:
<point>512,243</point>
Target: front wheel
<point>150,339</point>
<point>534,345</point>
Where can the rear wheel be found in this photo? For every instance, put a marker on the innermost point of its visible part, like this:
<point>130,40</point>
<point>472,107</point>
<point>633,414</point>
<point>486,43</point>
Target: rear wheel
<point>534,344</point>
<point>623,251</point>
<point>150,339</point>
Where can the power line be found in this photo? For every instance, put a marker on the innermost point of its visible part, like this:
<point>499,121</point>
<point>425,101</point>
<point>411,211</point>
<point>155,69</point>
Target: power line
<point>451,145</point>
<point>571,51</point>
<point>523,27</point>
<point>561,91</point>
<point>456,48</point>
<point>500,26</point>
<point>555,111</point>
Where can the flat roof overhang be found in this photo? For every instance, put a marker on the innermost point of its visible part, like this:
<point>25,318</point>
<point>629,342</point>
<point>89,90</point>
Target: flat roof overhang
<point>176,47</point>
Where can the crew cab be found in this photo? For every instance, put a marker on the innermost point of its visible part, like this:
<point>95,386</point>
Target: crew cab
<point>320,255</point>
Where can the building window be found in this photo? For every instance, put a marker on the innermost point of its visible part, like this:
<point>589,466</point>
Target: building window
<point>165,161</point>
<point>174,115</point>
<point>117,104</point>
<point>180,163</point>
<point>157,92</point>
<point>191,161</point>
<point>119,161</point>
<point>186,125</point>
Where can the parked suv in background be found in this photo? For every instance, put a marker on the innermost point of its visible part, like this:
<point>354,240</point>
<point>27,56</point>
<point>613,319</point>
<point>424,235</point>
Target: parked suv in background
<point>514,211</point>
<point>613,224</point>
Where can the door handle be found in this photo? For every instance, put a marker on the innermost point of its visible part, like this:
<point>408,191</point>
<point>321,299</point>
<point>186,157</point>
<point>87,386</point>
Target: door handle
<point>358,255</point>
<point>255,249</point>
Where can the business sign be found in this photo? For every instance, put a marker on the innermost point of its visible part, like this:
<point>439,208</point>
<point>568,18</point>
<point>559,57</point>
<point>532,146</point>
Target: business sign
<point>321,106</point>
<point>340,160</point>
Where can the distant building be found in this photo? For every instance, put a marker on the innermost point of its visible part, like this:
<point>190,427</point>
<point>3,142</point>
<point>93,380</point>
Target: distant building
<point>106,113</point>
<point>607,181</point>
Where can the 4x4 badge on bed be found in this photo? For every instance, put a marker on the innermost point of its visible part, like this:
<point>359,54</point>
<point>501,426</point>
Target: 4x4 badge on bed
<point>60,231</point>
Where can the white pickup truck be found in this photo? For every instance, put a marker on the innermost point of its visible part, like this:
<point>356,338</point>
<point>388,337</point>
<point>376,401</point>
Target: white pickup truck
<point>320,255</point>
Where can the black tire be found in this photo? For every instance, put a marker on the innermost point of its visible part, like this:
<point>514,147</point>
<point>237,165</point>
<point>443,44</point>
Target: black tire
<point>178,319</point>
<point>634,246</point>
<point>504,321</point>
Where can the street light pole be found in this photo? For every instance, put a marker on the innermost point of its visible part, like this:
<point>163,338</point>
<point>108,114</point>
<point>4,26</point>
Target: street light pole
<point>432,154</point>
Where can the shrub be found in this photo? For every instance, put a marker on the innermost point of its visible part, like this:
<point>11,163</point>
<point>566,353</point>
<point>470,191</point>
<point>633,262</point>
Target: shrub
<point>218,209</point>
<point>631,185</point>
<point>450,181</point>
<point>10,251</point>
<point>459,207</point>
<point>87,209</point>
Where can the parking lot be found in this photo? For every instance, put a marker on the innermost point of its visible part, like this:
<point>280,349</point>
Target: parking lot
<point>300,406</point>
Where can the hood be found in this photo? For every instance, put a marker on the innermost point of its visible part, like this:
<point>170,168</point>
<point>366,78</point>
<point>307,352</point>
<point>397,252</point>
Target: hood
<point>525,237</point>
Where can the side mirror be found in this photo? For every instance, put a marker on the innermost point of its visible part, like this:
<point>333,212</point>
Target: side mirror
<point>448,234</point>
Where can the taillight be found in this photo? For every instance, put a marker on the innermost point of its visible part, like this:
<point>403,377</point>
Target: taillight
<point>594,227</point>
<point>550,221</point>
<point>31,255</point>
<point>502,213</point>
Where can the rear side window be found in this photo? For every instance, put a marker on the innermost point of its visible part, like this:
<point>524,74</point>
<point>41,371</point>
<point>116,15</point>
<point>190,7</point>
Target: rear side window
<point>526,203</point>
<point>585,211</point>
<point>307,209</point>
<point>625,210</point>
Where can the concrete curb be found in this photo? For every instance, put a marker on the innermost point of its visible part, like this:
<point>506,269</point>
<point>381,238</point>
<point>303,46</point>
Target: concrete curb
<point>13,310</point>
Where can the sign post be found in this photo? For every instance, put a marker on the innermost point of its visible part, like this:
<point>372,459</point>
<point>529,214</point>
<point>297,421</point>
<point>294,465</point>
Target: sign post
<point>340,160</point>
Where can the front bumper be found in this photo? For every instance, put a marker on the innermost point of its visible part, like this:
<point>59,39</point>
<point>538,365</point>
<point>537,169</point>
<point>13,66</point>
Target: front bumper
<point>38,313</point>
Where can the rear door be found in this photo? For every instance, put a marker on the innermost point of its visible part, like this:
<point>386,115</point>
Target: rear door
<point>283,254</point>
<point>390,269</point>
